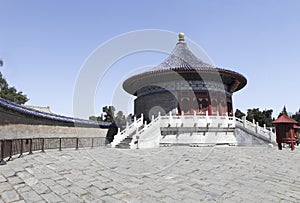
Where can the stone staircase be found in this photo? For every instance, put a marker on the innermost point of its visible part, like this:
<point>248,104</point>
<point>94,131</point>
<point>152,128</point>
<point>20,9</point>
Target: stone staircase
<point>124,138</point>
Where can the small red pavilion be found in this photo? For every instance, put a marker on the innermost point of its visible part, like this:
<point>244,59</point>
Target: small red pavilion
<point>286,131</point>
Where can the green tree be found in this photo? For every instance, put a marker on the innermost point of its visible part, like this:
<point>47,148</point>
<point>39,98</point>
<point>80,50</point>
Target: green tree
<point>109,115</point>
<point>93,118</point>
<point>239,114</point>
<point>262,117</point>
<point>129,118</point>
<point>120,119</point>
<point>10,93</point>
<point>283,112</point>
<point>97,118</point>
<point>296,117</point>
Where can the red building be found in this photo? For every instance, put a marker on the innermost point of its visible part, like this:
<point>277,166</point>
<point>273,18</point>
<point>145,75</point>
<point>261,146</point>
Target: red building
<point>186,83</point>
<point>286,131</point>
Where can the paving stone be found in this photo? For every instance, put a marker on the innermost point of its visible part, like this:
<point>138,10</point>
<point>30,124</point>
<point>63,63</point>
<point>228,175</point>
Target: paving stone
<point>109,199</point>
<point>48,182</point>
<point>17,168</point>
<point>96,191</point>
<point>31,196</point>
<point>41,188</point>
<point>58,189</point>
<point>24,189</point>
<point>2,179</point>
<point>20,185</point>
<point>88,198</point>
<point>71,197</point>
<point>84,183</point>
<point>77,190</point>
<point>10,196</point>
<point>152,193</point>
<point>8,172</point>
<point>51,197</point>
<point>5,186</point>
<point>110,191</point>
<point>19,201</point>
<point>15,180</point>
<point>65,183</point>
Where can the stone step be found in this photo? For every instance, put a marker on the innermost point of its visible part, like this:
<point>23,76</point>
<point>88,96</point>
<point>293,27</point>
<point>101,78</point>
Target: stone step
<point>124,144</point>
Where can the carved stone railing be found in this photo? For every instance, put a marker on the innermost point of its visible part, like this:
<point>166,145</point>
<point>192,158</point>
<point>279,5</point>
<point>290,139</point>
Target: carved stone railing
<point>142,132</point>
<point>255,128</point>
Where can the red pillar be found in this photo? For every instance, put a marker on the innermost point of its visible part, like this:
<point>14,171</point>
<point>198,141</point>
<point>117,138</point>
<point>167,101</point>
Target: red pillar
<point>209,109</point>
<point>220,109</point>
<point>292,139</point>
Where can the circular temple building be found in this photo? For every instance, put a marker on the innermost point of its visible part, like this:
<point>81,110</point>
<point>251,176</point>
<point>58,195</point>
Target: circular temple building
<point>184,84</point>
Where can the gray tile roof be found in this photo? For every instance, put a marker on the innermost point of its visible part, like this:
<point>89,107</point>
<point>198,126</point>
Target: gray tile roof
<point>182,57</point>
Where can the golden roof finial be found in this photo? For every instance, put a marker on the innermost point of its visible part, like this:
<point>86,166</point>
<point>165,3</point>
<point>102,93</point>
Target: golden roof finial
<point>181,37</point>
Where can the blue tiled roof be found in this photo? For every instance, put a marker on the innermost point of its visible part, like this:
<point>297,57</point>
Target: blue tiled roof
<point>54,117</point>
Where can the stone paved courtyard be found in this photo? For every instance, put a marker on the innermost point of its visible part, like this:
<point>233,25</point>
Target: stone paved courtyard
<point>171,174</point>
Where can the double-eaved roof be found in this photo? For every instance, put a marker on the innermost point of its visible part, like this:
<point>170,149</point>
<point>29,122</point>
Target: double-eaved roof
<point>184,63</point>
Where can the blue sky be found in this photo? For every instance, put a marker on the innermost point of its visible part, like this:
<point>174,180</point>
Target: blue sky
<point>44,45</point>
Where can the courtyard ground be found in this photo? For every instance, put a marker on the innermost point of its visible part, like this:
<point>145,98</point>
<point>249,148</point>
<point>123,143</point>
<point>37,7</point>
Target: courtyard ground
<point>170,174</point>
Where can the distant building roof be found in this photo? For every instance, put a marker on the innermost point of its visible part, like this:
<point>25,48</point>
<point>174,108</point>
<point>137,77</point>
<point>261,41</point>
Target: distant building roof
<point>284,119</point>
<point>40,108</point>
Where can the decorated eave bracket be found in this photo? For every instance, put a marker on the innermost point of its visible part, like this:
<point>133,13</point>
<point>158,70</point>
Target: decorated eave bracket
<point>234,86</point>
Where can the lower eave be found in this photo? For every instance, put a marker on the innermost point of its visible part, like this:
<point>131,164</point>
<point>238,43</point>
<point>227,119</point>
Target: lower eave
<point>132,84</point>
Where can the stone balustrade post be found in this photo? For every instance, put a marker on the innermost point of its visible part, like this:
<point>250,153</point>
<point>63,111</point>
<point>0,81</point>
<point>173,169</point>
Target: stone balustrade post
<point>195,117</point>
<point>270,134</point>
<point>244,121</point>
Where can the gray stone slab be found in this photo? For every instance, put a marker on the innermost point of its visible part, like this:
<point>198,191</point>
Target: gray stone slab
<point>10,196</point>
<point>77,190</point>
<point>59,190</point>
<point>31,196</point>
<point>8,172</point>
<point>3,179</point>
<point>51,197</point>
